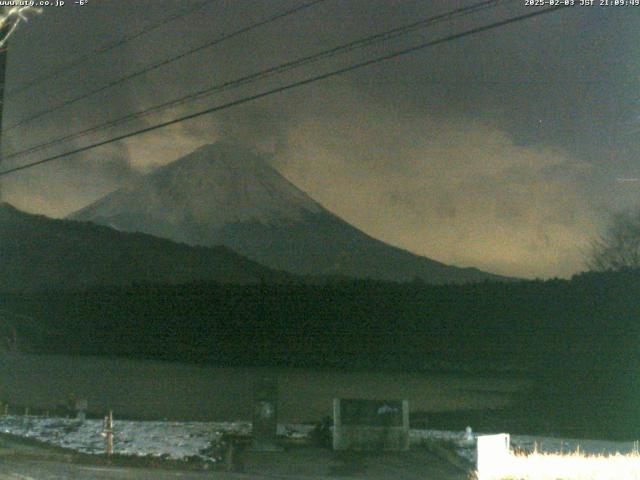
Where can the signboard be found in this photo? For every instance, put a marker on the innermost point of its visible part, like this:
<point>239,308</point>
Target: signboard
<point>493,453</point>
<point>373,413</point>
<point>360,424</point>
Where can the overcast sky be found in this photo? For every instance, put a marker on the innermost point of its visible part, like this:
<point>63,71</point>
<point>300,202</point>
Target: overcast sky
<point>506,150</point>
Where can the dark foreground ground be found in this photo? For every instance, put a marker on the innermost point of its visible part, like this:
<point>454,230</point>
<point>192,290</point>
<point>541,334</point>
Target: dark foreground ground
<point>407,466</point>
<point>29,461</point>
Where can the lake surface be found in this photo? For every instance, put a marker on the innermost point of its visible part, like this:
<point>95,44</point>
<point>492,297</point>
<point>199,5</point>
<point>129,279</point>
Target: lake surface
<point>146,389</point>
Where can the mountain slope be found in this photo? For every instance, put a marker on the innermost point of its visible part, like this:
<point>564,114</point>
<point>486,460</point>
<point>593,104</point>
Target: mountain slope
<point>225,195</point>
<point>39,252</point>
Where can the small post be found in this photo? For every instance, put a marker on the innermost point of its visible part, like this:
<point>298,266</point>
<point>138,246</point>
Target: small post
<point>469,439</point>
<point>26,411</point>
<point>6,409</point>
<point>229,460</point>
<point>108,432</point>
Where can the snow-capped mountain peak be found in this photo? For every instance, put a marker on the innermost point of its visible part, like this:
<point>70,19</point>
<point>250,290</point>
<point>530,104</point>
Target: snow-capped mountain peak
<point>216,184</point>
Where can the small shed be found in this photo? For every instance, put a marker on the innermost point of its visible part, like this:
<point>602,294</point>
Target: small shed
<point>360,424</point>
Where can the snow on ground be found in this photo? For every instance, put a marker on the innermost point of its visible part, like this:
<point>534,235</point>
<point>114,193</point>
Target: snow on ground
<point>177,440</point>
<point>467,447</point>
<point>180,440</point>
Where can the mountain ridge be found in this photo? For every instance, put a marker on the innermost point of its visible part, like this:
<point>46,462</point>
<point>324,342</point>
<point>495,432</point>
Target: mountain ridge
<point>37,252</point>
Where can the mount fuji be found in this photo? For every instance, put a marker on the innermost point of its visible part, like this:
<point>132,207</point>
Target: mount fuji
<point>223,194</point>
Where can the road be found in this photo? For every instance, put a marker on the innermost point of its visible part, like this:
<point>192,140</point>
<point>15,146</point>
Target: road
<point>303,465</point>
<point>14,469</point>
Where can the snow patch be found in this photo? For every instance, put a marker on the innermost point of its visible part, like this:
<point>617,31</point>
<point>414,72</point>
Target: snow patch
<point>182,440</point>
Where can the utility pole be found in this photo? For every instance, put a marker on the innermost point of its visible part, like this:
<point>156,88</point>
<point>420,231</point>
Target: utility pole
<point>4,50</point>
<point>8,26</point>
<point>10,18</point>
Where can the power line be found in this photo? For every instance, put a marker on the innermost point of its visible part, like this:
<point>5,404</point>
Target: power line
<point>165,62</point>
<point>278,69</point>
<point>110,46</point>
<point>290,86</point>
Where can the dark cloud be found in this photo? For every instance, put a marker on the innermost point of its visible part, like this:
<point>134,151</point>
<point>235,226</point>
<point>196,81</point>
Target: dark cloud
<point>468,195</point>
<point>501,150</point>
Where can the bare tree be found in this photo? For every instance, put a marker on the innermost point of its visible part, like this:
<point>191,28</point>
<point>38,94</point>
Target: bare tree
<point>619,247</point>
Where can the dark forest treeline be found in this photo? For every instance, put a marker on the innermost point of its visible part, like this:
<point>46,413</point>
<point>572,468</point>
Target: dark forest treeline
<point>578,338</point>
<point>525,324</point>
